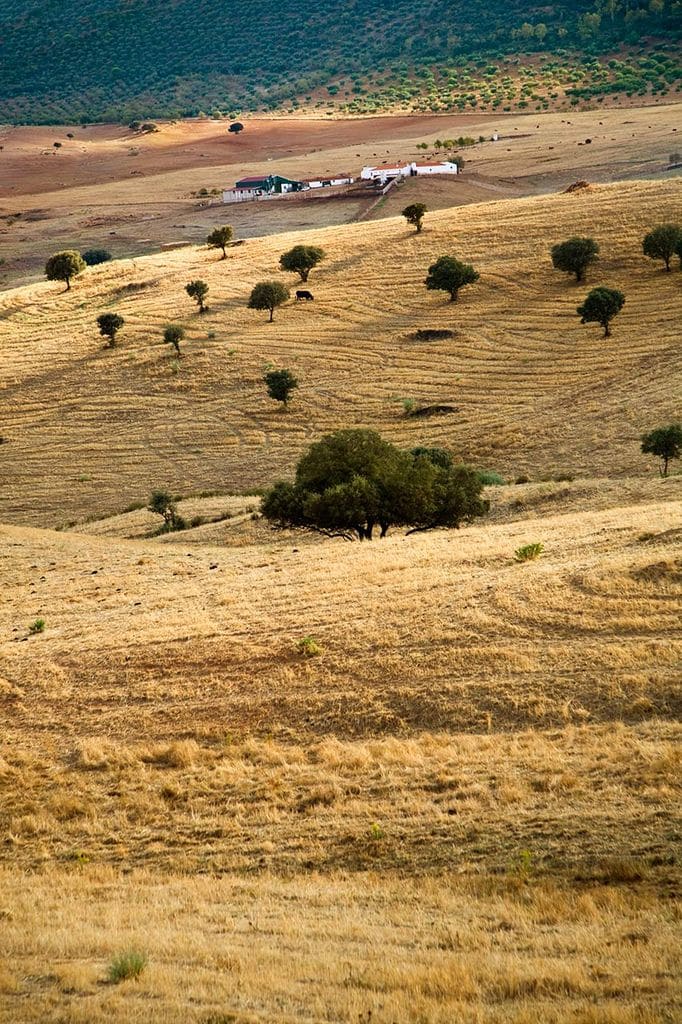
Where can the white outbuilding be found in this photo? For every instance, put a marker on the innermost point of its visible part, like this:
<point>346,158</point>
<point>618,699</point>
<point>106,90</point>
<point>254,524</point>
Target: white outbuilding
<point>408,170</point>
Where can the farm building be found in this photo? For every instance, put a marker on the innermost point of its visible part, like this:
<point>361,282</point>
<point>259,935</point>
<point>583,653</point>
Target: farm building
<point>328,180</point>
<point>408,170</point>
<point>383,173</point>
<point>260,186</point>
<point>441,167</point>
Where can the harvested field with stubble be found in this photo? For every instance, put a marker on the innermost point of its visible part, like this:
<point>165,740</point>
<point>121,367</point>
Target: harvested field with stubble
<point>413,781</point>
<point>534,391</point>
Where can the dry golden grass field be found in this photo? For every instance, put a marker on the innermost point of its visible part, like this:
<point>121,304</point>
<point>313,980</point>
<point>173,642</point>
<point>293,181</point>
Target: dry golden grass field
<point>465,809</point>
<point>89,431</point>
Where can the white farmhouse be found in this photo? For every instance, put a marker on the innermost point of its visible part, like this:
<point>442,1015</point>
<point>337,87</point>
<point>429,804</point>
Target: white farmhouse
<point>383,173</point>
<point>442,167</point>
<point>409,170</point>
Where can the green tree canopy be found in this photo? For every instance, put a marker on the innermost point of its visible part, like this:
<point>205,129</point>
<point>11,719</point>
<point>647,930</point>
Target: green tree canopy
<point>448,274</point>
<point>353,482</point>
<point>666,443</point>
<point>236,127</point>
<point>162,503</point>
<point>575,255</point>
<point>198,290</point>
<point>280,384</point>
<point>661,243</point>
<point>600,307</point>
<point>414,214</point>
<point>64,265</point>
<point>301,259</point>
<point>173,335</point>
<point>219,238</point>
<point>95,256</point>
<point>109,325</point>
<point>268,295</point>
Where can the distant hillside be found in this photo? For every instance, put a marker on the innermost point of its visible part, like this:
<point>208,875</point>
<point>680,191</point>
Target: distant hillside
<point>62,60</point>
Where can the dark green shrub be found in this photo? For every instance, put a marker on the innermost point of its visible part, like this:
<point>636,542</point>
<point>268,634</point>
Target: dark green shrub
<point>301,259</point>
<point>575,255</point>
<point>280,384</point>
<point>64,266</point>
<point>353,482</point>
<point>219,238</point>
<point>601,306</point>
<point>198,290</point>
<point>662,242</point>
<point>93,257</point>
<point>448,274</point>
<point>109,325</point>
<point>414,214</point>
<point>666,443</point>
<point>163,505</point>
<point>268,295</point>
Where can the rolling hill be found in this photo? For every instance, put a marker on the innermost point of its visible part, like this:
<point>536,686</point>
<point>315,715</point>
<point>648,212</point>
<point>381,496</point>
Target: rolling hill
<point>465,806</point>
<point>132,419</point>
<point>149,58</point>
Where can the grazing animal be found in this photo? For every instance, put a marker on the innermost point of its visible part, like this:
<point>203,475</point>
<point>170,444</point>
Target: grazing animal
<point>302,294</point>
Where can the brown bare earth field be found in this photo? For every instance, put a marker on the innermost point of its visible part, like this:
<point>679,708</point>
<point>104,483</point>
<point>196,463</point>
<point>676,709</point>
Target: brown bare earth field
<point>108,187</point>
<point>465,808</point>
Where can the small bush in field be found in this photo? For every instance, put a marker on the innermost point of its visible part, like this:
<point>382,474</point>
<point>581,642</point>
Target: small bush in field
<point>528,552</point>
<point>93,257</point>
<point>173,335</point>
<point>489,477</point>
<point>37,626</point>
<point>198,290</point>
<point>163,504</point>
<point>126,966</point>
<point>308,647</point>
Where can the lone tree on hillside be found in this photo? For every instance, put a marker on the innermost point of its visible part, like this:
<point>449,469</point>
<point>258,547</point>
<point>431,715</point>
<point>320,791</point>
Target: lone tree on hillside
<point>280,384</point>
<point>353,482</point>
<point>600,307</point>
<point>666,443</point>
<point>301,259</point>
<point>109,325</point>
<point>163,504</point>
<point>575,255</point>
<point>95,256</point>
<point>268,295</point>
<point>219,238</point>
<point>414,214</point>
<point>661,243</point>
<point>448,274</point>
<point>173,335</point>
<point>198,290</point>
<point>64,265</point>
<point>678,251</point>
<point>236,127</point>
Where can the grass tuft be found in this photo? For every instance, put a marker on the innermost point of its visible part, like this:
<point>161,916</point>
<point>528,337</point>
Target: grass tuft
<point>529,552</point>
<point>126,966</point>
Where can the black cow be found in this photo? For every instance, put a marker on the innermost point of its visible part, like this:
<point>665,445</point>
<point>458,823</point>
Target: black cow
<point>308,296</point>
